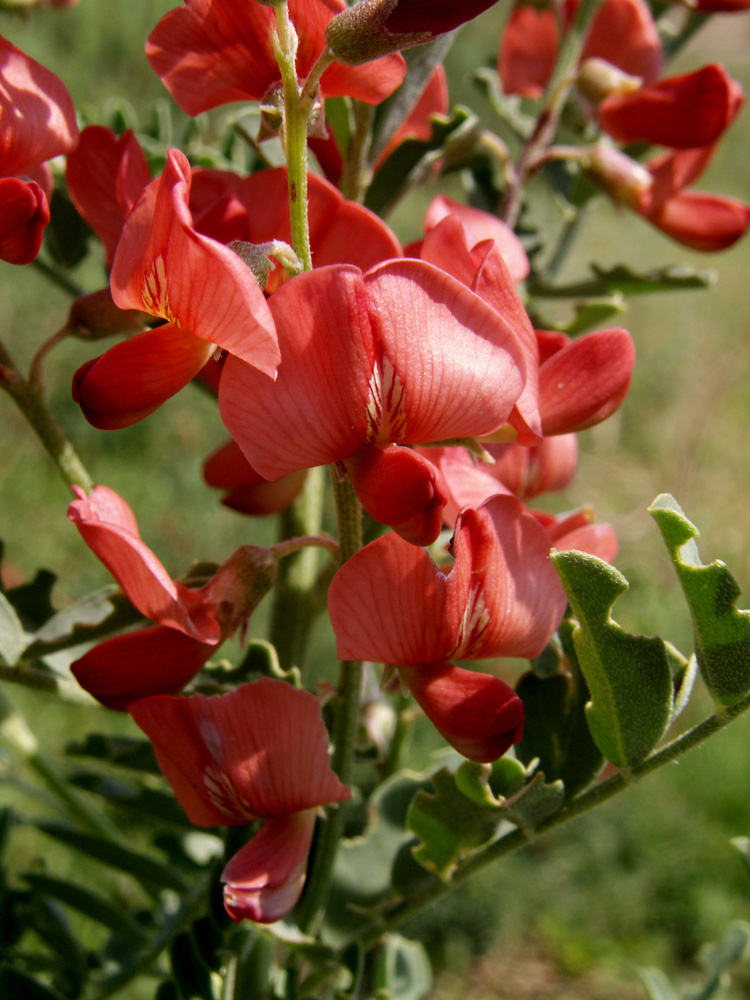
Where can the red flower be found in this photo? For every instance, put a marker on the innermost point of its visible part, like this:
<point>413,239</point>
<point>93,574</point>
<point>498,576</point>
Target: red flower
<point>192,622</point>
<point>38,122</point>
<point>501,598</point>
<point>212,52</point>
<point>260,752</point>
<point>622,32</point>
<point>208,296</point>
<point>400,355</point>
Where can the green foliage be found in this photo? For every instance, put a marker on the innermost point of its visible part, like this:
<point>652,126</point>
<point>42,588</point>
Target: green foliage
<point>722,633</point>
<point>716,959</point>
<point>402,970</point>
<point>628,676</point>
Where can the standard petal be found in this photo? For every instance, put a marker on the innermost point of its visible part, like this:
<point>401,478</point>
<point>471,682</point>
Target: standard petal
<point>108,527</point>
<point>166,268</point>
<point>478,714</point>
<point>448,364</point>
<point>105,174</point>
<point>388,604</point>
<point>264,879</point>
<point>316,411</point>
<point>140,664</point>
<point>133,378</point>
<point>37,114</point>
<point>482,226</point>
<point>515,600</point>
<point>247,491</point>
<point>528,51</point>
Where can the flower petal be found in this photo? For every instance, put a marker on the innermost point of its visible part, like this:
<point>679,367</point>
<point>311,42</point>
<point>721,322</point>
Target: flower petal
<point>133,378</point>
<point>165,267</point>
<point>37,113</point>
<point>24,215</point>
<point>264,879</point>
<point>528,51</point>
<point>478,714</point>
<point>136,665</point>
<point>108,527</point>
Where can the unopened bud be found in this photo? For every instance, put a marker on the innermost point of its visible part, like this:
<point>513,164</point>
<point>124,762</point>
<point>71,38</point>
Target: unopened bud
<point>258,256</point>
<point>598,79</point>
<point>95,316</point>
<point>623,179</point>
<point>374,28</point>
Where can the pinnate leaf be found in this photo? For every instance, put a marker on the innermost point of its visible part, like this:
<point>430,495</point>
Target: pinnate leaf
<point>628,676</point>
<point>722,633</point>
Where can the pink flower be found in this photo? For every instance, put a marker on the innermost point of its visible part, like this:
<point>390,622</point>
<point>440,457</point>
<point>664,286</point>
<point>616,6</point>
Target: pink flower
<point>192,622</point>
<point>38,122</point>
<point>501,598</point>
<point>213,52</point>
<point>400,355</point>
<point>260,752</point>
<point>207,295</point>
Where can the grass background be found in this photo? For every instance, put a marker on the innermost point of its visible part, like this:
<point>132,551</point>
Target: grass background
<point>647,878</point>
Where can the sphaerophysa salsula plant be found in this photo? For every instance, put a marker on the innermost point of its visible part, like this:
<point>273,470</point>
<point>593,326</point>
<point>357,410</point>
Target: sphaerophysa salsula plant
<point>432,384</point>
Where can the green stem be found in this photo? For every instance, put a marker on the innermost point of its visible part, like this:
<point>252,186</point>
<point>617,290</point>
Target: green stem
<point>294,135</point>
<point>559,86</point>
<point>293,610</point>
<point>31,403</point>
<point>357,171</point>
<point>345,729</point>
<point>58,278</point>
<point>396,914</point>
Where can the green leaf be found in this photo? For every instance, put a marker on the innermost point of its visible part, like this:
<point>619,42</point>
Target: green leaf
<point>656,985</point>
<point>51,924</point>
<point>13,639</point>
<point>91,904</point>
<point>33,600</point>
<point>734,947</point>
<point>628,676</point>
<point>394,175</point>
<point>18,986</point>
<point>448,824</point>
<point>99,614</point>
<point>722,633</point>
<point>556,732</point>
<point>593,313</point>
<point>146,803</point>
<point>145,869</point>
<point>623,281</point>
<point>402,970</point>
<point>67,235</point>
<point>125,751</point>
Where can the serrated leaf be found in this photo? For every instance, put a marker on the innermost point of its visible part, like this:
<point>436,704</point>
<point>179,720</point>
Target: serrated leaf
<point>593,313</point>
<point>392,177</point>
<point>402,970</point>
<point>13,639</point>
<point>19,986</point>
<point>91,904</point>
<point>99,614</point>
<point>145,869</point>
<point>475,781</point>
<point>621,280</point>
<point>448,825</point>
<point>721,632</point>
<point>535,803</point>
<point>628,676</point>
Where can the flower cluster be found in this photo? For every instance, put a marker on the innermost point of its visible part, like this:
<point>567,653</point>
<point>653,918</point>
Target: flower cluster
<point>327,342</point>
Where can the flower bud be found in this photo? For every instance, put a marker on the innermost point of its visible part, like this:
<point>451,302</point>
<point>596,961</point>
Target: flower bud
<point>623,179</point>
<point>374,28</point>
<point>598,79</point>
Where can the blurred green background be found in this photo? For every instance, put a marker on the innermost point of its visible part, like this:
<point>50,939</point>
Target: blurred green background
<point>648,878</point>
